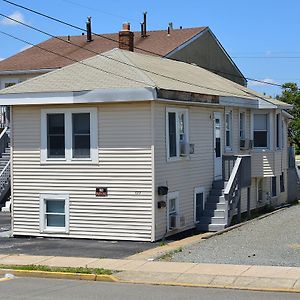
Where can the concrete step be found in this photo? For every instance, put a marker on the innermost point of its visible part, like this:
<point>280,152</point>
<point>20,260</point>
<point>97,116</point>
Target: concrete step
<point>212,220</point>
<point>217,206</point>
<point>214,213</point>
<point>211,227</point>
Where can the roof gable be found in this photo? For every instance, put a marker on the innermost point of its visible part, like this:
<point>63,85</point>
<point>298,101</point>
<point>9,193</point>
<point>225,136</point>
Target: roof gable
<point>35,58</point>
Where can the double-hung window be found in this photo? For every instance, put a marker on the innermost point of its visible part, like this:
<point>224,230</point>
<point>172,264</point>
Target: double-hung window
<point>54,213</point>
<point>177,133</point>
<point>228,130</point>
<point>261,130</point>
<point>69,135</point>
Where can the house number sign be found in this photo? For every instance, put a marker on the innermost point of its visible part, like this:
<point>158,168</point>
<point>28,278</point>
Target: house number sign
<point>101,191</point>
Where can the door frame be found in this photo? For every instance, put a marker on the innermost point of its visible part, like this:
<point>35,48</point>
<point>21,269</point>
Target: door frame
<point>217,175</point>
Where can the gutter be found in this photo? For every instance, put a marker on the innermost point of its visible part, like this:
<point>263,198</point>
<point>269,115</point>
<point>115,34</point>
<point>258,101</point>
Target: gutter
<point>21,72</point>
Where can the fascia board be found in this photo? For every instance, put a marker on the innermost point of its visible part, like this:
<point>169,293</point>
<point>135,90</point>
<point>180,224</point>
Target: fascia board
<point>95,96</point>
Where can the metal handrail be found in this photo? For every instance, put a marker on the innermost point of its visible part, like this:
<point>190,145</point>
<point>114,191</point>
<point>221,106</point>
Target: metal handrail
<point>3,132</point>
<point>5,174</point>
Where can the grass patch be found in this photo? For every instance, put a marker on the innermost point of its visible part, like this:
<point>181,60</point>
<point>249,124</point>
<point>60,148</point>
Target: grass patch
<point>79,270</point>
<point>168,256</point>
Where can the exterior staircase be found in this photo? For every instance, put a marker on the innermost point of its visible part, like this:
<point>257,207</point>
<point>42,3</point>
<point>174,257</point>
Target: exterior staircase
<point>224,199</point>
<point>214,216</point>
<point>4,169</point>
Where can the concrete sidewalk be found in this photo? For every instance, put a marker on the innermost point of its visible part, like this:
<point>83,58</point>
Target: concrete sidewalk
<point>265,278</point>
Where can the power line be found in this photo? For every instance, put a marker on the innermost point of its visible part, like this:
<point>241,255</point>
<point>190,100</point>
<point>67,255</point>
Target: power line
<point>98,10</point>
<point>71,59</point>
<point>133,66</point>
<point>266,57</point>
<point>141,49</point>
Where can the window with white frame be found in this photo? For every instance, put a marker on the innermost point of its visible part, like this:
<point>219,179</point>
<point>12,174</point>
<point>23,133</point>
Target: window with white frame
<point>69,135</point>
<point>54,213</point>
<point>173,207</point>
<point>242,125</point>
<point>228,130</point>
<point>177,133</point>
<point>261,130</point>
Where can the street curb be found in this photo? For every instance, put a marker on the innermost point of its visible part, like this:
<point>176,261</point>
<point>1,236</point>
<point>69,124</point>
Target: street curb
<point>59,275</point>
<point>258,289</point>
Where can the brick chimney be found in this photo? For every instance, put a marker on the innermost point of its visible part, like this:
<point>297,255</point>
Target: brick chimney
<point>126,38</point>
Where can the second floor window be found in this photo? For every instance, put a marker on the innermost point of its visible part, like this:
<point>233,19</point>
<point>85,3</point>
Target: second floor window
<point>69,135</point>
<point>260,130</point>
<point>177,133</point>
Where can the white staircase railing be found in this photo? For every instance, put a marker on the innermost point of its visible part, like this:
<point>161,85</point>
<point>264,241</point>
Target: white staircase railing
<point>5,177</point>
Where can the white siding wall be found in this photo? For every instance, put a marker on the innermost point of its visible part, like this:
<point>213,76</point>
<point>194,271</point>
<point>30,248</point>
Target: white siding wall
<point>187,174</point>
<point>124,167</point>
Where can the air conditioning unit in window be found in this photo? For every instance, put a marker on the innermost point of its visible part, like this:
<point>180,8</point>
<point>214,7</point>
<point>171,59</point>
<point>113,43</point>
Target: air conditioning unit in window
<point>246,144</point>
<point>177,221</point>
<point>184,149</point>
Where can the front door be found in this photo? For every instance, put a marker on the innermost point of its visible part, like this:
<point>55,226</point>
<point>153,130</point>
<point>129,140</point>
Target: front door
<point>217,146</point>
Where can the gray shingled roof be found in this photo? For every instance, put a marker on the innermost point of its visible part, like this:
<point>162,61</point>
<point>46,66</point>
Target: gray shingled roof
<point>123,69</point>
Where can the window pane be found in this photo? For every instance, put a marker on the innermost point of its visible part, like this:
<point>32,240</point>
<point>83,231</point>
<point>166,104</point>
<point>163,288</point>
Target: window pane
<point>81,146</point>
<point>55,221</point>
<point>172,208</point>
<point>55,206</point>
<point>81,135</point>
<point>172,134</point>
<point>56,123</point>
<point>81,123</point>
<point>218,147</point>
<point>261,139</point>
<point>260,122</point>
<point>227,138</point>
<point>282,183</point>
<point>56,135</point>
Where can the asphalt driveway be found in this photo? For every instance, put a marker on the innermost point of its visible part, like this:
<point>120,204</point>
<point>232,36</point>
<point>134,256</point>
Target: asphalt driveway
<point>67,247</point>
<point>274,240</point>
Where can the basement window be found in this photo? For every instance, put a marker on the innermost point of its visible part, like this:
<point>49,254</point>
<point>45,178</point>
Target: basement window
<point>69,135</point>
<point>54,213</point>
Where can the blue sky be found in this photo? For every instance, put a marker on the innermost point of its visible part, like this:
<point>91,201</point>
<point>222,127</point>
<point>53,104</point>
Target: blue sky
<point>262,36</point>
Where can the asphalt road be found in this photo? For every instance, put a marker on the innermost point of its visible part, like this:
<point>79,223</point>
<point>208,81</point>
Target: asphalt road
<point>4,222</point>
<point>42,289</point>
<point>274,240</point>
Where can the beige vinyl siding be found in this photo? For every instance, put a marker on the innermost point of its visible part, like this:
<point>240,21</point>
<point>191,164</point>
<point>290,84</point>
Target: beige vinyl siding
<point>186,174</point>
<point>124,137</point>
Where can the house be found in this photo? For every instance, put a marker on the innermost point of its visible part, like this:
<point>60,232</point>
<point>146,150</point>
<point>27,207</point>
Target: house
<point>192,45</point>
<point>129,146</point>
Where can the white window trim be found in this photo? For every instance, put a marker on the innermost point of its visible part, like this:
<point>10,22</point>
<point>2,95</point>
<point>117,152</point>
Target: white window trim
<point>199,190</point>
<point>177,111</point>
<point>68,136</point>
<point>230,113</point>
<point>269,130</point>
<point>172,195</point>
<point>53,196</point>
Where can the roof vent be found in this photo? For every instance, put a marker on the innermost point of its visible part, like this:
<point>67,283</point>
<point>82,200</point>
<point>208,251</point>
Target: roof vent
<point>89,30</point>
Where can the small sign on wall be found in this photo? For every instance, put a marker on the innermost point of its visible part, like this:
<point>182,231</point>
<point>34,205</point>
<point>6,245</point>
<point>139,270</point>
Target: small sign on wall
<point>101,192</point>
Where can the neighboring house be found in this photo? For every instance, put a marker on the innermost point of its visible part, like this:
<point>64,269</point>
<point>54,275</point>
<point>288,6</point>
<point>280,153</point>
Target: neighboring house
<point>139,150</point>
<point>192,45</point>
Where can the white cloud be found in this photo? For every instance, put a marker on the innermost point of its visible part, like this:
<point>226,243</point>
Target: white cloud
<point>1,58</point>
<point>263,82</point>
<point>15,15</point>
